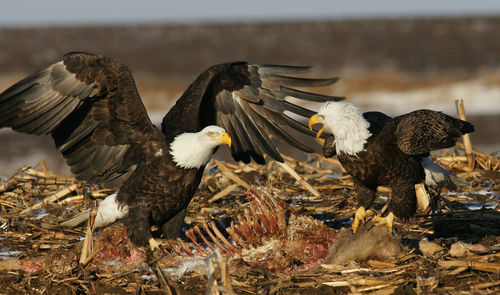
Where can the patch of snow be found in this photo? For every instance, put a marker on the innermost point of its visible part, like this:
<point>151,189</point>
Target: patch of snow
<point>383,198</point>
<point>475,206</point>
<point>197,265</point>
<point>41,214</point>
<point>483,192</point>
<point>5,253</point>
<point>490,205</point>
<point>334,175</point>
<point>148,277</point>
<point>479,98</point>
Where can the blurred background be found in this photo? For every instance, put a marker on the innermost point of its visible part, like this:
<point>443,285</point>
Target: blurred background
<point>391,56</point>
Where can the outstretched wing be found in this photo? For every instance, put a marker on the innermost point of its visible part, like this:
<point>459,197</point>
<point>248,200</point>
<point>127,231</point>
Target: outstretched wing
<point>90,106</point>
<point>262,109</point>
<point>254,103</point>
<point>422,131</point>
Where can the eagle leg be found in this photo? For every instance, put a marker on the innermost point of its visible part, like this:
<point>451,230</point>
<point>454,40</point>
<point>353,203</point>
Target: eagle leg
<point>388,220</point>
<point>361,215</point>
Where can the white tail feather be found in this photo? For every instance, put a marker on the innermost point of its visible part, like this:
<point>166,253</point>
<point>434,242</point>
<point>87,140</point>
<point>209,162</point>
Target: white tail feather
<point>436,175</point>
<point>77,219</point>
<point>108,211</point>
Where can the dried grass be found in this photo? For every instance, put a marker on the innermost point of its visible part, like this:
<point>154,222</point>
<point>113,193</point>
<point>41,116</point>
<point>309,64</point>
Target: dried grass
<point>43,257</point>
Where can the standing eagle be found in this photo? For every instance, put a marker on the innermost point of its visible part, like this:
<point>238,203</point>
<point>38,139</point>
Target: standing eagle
<point>377,150</point>
<point>90,106</point>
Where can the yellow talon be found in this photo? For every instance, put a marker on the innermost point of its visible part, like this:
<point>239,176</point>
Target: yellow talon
<point>388,220</point>
<point>361,215</point>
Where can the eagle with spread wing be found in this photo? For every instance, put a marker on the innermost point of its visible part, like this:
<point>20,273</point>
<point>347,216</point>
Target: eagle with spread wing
<point>377,150</point>
<point>90,106</point>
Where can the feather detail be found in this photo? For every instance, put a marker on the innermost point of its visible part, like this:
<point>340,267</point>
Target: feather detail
<point>108,211</point>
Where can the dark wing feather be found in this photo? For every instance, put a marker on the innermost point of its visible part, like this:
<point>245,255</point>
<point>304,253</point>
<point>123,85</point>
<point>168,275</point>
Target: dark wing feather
<point>422,131</point>
<point>252,102</point>
<point>90,106</point>
<point>263,101</point>
<point>267,95</point>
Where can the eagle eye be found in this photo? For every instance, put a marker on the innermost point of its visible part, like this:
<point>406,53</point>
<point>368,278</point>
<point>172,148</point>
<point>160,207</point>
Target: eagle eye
<point>211,133</point>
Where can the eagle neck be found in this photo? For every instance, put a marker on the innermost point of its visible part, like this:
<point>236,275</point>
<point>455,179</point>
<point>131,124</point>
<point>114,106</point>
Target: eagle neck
<point>187,151</point>
<point>353,138</point>
<point>347,124</point>
<point>351,132</point>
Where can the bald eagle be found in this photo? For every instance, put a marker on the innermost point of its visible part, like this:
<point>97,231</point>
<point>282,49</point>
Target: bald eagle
<point>377,150</point>
<point>90,106</point>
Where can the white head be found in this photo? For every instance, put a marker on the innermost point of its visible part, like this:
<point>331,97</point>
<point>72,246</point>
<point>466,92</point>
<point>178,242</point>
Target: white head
<point>346,122</point>
<point>193,150</point>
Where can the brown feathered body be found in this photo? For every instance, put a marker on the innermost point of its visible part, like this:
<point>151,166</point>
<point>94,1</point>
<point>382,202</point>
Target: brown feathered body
<point>155,193</point>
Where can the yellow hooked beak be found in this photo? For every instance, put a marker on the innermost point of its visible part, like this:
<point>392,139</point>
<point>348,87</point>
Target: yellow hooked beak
<point>225,138</point>
<point>315,120</point>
